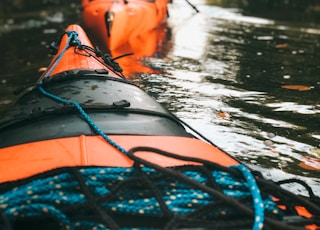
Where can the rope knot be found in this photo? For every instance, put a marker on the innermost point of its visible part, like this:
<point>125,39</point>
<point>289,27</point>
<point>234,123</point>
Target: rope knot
<point>73,38</point>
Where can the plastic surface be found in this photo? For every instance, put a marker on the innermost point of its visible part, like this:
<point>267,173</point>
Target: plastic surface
<point>116,22</point>
<point>25,160</point>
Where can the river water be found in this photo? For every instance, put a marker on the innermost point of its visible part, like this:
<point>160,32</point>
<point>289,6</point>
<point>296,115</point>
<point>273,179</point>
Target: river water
<point>249,84</point>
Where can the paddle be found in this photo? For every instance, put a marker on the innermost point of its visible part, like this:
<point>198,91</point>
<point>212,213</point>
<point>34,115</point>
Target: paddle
<point>193,6</point>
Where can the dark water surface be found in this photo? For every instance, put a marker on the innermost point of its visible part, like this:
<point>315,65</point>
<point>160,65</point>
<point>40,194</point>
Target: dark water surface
<point>224,72</point>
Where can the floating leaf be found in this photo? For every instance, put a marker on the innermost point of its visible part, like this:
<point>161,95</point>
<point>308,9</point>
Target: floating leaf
<point>281,46</point>
<point>273,150</point>
<point>224,115</point>
<point>310,163</point>
<point>42,69</point>
<point>316,150</point>
<point>296,87</point>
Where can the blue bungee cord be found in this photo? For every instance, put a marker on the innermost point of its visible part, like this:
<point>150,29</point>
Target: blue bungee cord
<point>72,36</point>
<point>256,196</point>
<point>86,117</point>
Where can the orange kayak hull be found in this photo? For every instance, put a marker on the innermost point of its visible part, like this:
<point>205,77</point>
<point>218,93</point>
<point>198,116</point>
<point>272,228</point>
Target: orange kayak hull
<point>38,157</point>
<point>116,22</point>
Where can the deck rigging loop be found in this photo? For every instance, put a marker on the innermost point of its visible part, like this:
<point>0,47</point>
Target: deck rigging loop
<point>95,53</point>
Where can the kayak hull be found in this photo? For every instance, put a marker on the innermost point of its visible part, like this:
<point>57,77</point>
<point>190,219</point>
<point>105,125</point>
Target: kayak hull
<point>38,157</point>
<point>117,22</point>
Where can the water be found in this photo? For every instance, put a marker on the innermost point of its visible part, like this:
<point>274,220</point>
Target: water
<point>223,72</point>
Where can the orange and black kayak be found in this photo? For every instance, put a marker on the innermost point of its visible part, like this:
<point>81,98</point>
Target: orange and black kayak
<point>84,148</point>
<point>118,22</point>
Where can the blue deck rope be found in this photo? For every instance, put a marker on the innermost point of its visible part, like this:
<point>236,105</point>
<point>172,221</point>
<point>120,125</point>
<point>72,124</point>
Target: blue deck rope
<point>72,36</point>
<point>86,117</point>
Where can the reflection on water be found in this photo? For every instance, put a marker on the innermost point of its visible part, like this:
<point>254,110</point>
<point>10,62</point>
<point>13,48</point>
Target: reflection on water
<point>237,65</point>
<point>220,71</point>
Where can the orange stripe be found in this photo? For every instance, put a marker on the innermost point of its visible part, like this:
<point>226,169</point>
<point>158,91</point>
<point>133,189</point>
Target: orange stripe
<point>25,160</point>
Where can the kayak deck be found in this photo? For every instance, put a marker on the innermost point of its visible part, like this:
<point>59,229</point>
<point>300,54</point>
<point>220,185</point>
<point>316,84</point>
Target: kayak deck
<point>115,105</point>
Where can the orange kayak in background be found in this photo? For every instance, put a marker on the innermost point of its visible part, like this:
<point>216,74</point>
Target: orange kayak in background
<point>85,148</point>
<point>117,22</point>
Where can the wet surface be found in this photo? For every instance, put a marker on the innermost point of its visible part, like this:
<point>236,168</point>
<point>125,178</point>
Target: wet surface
<point>250,84</point>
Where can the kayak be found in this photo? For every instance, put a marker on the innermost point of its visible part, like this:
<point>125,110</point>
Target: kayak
<point>84,148</point>
<point>118,22</point>
<point>154,45</point>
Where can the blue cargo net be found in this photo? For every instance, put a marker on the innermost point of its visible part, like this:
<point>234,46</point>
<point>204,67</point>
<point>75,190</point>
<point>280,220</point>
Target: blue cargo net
<point>147,196</point>
<point>121,191</point>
